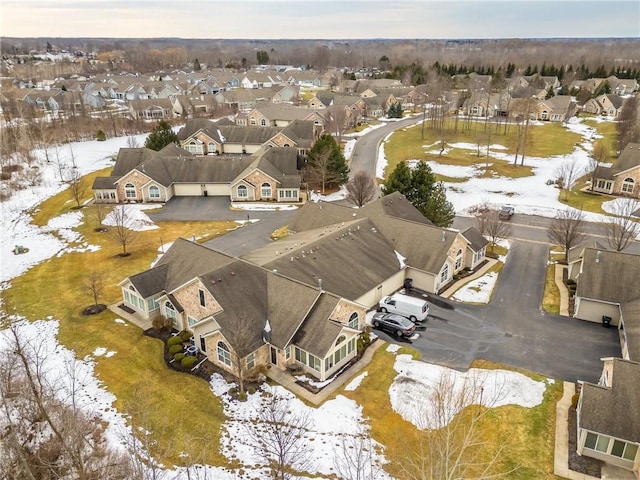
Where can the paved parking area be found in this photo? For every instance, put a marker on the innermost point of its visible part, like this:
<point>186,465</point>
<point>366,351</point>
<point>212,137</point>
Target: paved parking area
<point>197,209</point>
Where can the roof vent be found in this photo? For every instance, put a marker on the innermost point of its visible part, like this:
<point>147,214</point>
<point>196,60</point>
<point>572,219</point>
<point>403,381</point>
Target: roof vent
<point>598,253</point>
<point>292,259</point>
<point>320,283</point>
<point>443,236</point>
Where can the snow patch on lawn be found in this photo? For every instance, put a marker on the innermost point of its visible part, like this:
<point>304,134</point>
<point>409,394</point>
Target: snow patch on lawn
<point>417,380</point>
<point>263,207</point>
<point>478,290</point>
<point>355,383</point>
<point>135,220</point>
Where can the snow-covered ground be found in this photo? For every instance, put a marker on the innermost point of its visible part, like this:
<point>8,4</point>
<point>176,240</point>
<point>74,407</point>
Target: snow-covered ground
<point>335,420</point>
<point>478,290</point>
<point>530,195</point>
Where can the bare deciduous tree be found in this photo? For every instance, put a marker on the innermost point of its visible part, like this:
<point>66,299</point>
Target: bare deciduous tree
<point>76,186</point>
<point>567,175</point>
<point>93,284</point>
<point>481,212</point>
<point>355,459</point>
<point>278,439</point>
<point>132,142</point>
<point>452,443</point>
<point>496,228</point>
<point>621,229</point>
<point>121,230</point>
<point>99,213</point>
<point>567,229</point>
<point>51,436</point>
<point>240,338</point>
<point>361,188</point>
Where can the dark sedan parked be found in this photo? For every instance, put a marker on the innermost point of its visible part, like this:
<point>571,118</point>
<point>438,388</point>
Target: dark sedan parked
<point>401,326</point>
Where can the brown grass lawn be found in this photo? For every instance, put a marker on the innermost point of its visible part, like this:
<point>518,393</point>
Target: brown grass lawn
<point>551,295</point>
<point>587,201</point>
<point>544,140</point>
<point>609,132</point>
<point>527,432</point>
<point>59,284</point>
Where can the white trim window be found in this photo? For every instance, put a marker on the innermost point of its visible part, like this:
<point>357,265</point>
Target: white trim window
<point>130,190</point>
<point>224,355</point>
<point>458,259</point>
<point>265,190</point>
<point>193,147</point>
<point>628,185</point>
<point>154,192</point>
<point>242,192</point>
<point>354,320</point>
<point>611,446</point>
<point>444,273</point>
<point>251,361</point>
<point>170,311</point>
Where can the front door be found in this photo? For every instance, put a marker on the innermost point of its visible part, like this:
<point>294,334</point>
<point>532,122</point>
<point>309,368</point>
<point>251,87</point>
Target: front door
<point>274,356</point>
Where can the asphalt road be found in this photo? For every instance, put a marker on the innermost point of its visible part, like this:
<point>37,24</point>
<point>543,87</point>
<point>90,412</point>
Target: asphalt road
<point>512,329</point>
<point>365,151</point>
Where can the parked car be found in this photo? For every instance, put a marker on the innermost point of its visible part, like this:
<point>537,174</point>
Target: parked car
<point>401,326</point>
<point>506,212</point>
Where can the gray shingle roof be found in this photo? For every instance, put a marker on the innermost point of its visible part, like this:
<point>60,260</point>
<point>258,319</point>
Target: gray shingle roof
<point>105,183</point>
<point>614,278</point>
<point>317,334</point>
<point>475,238</point>
<point>614,411</point>
<point>325,256</point>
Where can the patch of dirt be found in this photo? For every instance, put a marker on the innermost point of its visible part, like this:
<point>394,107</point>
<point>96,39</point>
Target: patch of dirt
<point>101,229</point>
<point>94,309</point>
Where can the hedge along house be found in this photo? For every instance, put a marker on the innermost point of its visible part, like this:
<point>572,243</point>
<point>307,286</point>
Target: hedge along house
<point>242,314</point>
<point>143,175</point>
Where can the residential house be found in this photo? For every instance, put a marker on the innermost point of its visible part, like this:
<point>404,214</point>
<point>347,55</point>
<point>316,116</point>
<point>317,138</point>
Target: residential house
<point>143,175</point>
<point>305,307</point>
<point>608,416</point>
<point>431,262</point>
<point>277,115</point>
<point>605,280</point>
<point>559,108</point>
<point>622,86</point>
<point>285,322</point>
<point>606,104</point>
<point>188,106</point>
<point>204,137</point>
<point>486,104</point>
<point>623,178</point>
<point>152,109</point>
<point>237,100</point>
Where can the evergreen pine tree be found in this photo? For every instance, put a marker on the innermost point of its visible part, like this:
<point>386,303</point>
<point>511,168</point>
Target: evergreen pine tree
<point>196,66</point>
<point>161,136</point>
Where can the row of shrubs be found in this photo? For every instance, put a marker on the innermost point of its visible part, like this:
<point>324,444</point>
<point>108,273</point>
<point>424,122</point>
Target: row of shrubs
<point>176,350</point>
<point>571,286</point>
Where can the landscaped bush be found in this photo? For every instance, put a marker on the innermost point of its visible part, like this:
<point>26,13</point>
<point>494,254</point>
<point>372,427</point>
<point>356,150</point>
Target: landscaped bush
<point>179,356</point>
<point>173,349</point>
<point>233,391</point>
<point>242,396</point>
<point>251,390</point>
<point>100,136</point>
<point>185,335</point>
<point>177,340</point>
<point>570,281</point>
<point>188,362</point>
<point>363,340</point>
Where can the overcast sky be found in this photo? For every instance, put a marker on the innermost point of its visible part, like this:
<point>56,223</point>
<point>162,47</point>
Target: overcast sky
<point>321,18</point>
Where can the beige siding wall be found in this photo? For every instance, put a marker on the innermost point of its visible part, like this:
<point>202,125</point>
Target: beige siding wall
<point>390,285</point>
<point>188,190</point>
<point>165,194</point>
<point>458,244</point>
<point>593,311</point>
<point>423,280</point>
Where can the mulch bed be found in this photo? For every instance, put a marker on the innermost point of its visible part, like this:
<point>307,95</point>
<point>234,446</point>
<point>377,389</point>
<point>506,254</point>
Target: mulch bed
<point>94,309</point>
<point>204,371</point>
<point>577,463</point>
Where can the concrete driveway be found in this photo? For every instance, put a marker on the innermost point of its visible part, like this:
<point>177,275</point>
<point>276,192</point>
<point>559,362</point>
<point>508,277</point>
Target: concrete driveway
<point>197,209</point>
